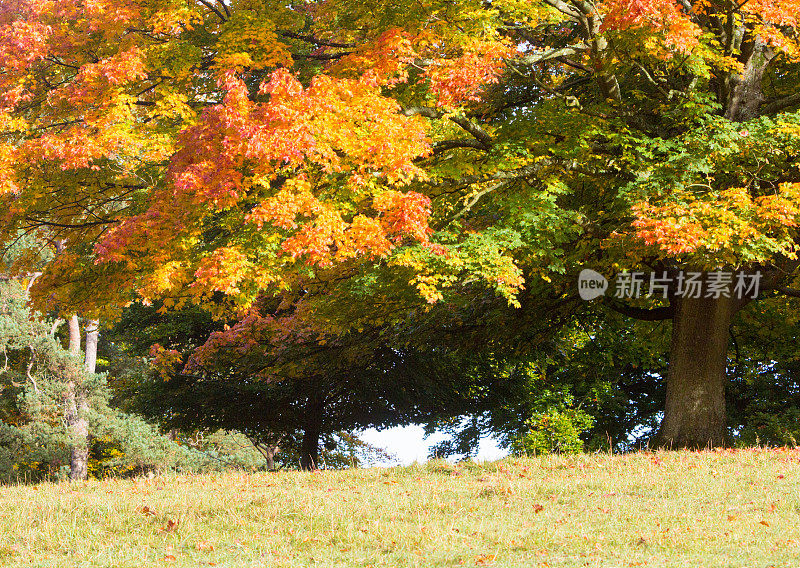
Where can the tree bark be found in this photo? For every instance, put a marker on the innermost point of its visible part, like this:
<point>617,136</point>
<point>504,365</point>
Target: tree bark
<point>92,335</point>
<point>74,336</point>
<point>76,409</point>
<point>309,451</point>
<point>269,453</point>
<point>694,414</point>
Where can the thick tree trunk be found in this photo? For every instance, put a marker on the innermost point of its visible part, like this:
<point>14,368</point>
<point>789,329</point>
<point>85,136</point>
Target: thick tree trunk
<point>269,453</point>
<point>309,451</point>
<point>77,407</point>
<point>694,414</point>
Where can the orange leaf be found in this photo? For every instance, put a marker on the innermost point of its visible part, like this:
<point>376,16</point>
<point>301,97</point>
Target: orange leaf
<point>204,545</point>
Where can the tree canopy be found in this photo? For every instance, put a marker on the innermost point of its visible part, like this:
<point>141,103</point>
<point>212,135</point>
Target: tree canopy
<point>461,153</point>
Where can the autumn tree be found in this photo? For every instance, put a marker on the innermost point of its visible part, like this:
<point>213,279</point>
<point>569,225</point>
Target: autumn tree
<point>184,150</point>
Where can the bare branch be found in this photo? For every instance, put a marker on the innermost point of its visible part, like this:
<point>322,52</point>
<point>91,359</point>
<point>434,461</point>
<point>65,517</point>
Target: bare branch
<point>30,368</point>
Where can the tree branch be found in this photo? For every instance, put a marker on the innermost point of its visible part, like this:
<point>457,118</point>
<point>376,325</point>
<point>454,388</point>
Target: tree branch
<point>460,143</point>
<point>315,41</point>
<point>476,131</point>
<point>643,314</point>
<point>564,8</point>
<point>30,368</point>
<point>211,7</point>
<point>776,105</point>
<point>535,58</point>
<point>224,7</point>
<point>323,56</point>
<point>479,133</point>
<point>793,292</point>
<point>477,198</point>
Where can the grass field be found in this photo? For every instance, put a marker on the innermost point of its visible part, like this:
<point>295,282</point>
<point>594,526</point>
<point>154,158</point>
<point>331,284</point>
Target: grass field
<point>723,508</point>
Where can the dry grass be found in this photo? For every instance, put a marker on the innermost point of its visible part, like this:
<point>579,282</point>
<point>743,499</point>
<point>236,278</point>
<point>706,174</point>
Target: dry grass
<point>666,509</point>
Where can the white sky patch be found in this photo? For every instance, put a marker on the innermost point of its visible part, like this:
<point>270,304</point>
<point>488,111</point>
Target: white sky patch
<point>408,444</point>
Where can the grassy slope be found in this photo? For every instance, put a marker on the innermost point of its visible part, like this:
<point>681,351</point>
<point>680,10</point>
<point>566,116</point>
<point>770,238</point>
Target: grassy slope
<point>667,509</point>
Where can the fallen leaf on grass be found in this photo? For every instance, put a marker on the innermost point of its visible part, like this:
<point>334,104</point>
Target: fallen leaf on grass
<point>170,526</point>
<point>765,523</point>
<point>537,508</point>
<point>204,545</point>
<point>147,511</point>
<point>485,559</point>
<point>169,558</point>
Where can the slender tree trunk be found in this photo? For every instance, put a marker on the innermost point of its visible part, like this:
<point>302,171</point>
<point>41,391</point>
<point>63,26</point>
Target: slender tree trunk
<point>309,451</point>
<point>694,414</point>
<point>74,336</point>
<point>92,335</point>
<point>77,406</point>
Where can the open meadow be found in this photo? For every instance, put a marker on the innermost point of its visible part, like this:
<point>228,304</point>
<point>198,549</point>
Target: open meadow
<point>706,509</point>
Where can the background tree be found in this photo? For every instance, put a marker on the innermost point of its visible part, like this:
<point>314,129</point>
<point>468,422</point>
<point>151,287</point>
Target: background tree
<point>291,395</point>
